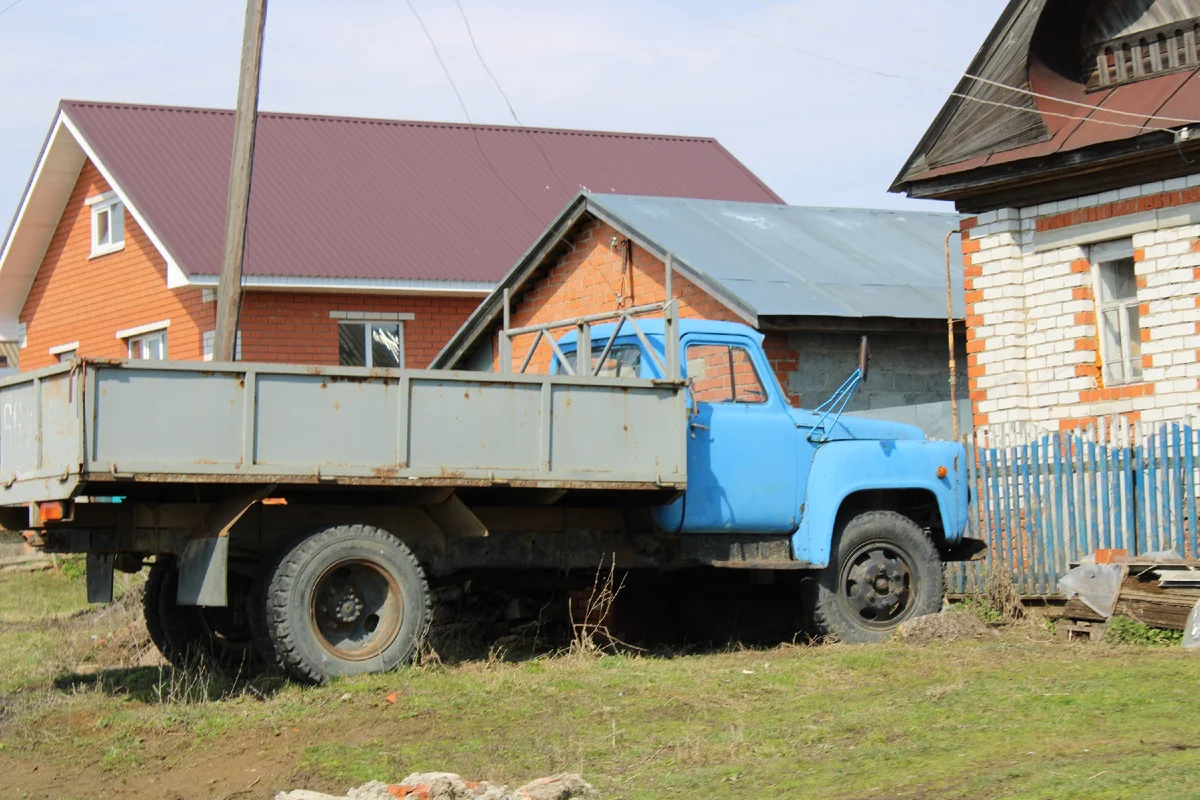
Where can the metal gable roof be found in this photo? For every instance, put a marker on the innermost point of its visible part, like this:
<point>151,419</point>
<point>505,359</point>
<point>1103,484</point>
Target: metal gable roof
<point>765,259</point>
<point>780,260</point>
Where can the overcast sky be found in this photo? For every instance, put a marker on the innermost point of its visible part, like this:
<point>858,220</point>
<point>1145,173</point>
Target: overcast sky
<point>817,132</point>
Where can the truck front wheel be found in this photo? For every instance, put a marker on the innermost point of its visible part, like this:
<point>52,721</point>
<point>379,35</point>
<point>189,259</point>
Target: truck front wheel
<point>344,601</point>
<point>883,570</point>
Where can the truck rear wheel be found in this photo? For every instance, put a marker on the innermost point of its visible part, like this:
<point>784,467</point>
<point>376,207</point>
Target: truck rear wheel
<point>345,601</point>
<point>883,570</point>
<point>219,637</point>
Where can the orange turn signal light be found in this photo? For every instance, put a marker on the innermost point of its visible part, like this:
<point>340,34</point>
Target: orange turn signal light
<point>942,472</point>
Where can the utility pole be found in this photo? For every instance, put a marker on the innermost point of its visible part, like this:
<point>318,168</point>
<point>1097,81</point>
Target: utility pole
<point>245,121</point>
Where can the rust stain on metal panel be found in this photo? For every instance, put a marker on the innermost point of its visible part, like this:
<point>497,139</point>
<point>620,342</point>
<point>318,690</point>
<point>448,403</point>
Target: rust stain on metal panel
<point>385,472</point>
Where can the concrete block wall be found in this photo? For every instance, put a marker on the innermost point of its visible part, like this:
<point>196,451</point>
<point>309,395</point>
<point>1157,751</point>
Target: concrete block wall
<point>1032,334</point>
<point>906,369</point>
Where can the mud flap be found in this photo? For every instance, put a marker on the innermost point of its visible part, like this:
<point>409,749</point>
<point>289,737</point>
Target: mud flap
<point>203,572</point>
<point>100,577</point>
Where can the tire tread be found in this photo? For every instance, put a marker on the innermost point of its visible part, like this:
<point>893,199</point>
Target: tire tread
<point>281,582</point>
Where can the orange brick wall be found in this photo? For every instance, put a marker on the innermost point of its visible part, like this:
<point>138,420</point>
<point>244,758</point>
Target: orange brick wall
<point>296,327</point>
<point>587,279</point>
<point>78,298</point>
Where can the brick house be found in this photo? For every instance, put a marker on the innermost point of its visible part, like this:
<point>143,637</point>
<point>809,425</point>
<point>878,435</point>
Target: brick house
<point>811,279</point>
<point>1082,248</point>
<point>369,243</point>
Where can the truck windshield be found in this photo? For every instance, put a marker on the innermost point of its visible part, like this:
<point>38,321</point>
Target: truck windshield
<point>623,361</point>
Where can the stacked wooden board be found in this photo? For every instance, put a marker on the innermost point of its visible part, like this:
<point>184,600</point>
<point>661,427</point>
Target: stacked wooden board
<point>1159,593</point>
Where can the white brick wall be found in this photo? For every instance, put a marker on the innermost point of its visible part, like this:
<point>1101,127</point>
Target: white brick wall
<point>1030,321</point>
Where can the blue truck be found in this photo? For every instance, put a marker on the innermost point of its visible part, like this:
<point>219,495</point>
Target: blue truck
<point>296,517</point>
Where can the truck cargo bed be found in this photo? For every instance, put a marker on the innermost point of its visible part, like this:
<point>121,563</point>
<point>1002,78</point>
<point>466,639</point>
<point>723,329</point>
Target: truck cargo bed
<point>69,429</point>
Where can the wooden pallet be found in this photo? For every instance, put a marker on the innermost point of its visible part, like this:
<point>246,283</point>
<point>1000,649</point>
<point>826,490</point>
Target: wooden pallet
<point>1074,630</point>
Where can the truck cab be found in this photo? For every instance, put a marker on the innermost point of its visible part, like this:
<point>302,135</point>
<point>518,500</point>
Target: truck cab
<point>759,467</point>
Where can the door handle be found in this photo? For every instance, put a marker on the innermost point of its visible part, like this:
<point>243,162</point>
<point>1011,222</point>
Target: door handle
<point>698,425</point>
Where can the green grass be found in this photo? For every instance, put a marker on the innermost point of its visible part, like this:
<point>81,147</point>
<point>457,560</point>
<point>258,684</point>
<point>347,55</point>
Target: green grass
<point>1123,630</point>
<point>39,596</point>
<point>1017,717</point>
<point>37,613</point>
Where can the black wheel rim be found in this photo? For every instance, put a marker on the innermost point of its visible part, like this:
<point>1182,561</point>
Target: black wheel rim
<point>227,628</point>
<point>356,609</point>
<point>876,585</point>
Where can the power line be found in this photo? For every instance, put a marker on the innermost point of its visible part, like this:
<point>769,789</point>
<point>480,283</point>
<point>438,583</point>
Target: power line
<point>486,68</point>
<point>507,102</point>
<point>976,78</point>
<point>10,7</point>
<point>462,104</point>
<point>917,81</point>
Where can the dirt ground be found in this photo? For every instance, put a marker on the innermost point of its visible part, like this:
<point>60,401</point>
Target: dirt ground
<point>86,711</point>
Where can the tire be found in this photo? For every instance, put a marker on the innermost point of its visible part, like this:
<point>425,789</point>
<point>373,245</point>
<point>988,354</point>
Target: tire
<point>883,571</point>
<point>346,600</point>
<point>219,637</point>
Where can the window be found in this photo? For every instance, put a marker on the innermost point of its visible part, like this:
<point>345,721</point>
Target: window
<point>1120,332</point>
<point>149,346</point>
<point>723,374</point>
<point>623,361</point>
<point>371,344</point>
<point>208,341</point>
<point>65,352</point>
<point>108,224</point>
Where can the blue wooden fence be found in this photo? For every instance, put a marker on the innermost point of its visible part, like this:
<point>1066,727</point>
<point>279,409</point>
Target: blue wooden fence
<point>1042,500</point>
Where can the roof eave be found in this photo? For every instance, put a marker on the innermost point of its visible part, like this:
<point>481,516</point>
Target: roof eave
<point>937,127</point>
<point>37,216</point>
<point>956,186</point>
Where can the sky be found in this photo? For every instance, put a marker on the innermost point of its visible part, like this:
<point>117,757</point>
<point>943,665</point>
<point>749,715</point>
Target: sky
<point>762,76</point>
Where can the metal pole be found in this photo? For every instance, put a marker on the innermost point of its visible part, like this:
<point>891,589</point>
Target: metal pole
<point>950,339</point>
<point>670,324</point>
<point>245,122</point>
<point>506,338</point>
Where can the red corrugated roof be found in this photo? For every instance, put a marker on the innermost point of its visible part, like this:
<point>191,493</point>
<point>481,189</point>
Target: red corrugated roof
<point>337,197</point>
<point>1173,95</point>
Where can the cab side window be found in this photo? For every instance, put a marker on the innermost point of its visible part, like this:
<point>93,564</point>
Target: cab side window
<point>722,373</point>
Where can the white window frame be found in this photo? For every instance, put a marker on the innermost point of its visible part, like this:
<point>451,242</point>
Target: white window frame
<point>1101,254</point>
<point>141,333</point>
<point>208,344</point>
<point>367,324</point>
<point>107,204</point>
<point>60,350</point>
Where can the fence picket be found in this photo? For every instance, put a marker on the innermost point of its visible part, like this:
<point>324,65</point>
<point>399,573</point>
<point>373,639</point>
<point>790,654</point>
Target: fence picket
<point>1190,548</point>
<point>1042,500</point>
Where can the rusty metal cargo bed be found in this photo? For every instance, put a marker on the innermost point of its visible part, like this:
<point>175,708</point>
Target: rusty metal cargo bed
<point>70,429</point>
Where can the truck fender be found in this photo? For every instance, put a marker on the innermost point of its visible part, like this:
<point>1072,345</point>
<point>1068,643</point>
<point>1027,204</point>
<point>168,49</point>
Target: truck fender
<point>841,468</point>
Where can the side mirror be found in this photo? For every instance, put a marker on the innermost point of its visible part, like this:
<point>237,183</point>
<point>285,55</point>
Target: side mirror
<point>864,359</point>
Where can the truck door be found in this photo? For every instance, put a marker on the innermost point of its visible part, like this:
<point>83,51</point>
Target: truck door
<point>742,442</point>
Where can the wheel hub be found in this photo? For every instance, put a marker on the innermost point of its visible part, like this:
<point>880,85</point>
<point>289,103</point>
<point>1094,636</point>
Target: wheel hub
<point>356,609</point>
<point>876,586</point>
<point>345,606</point>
